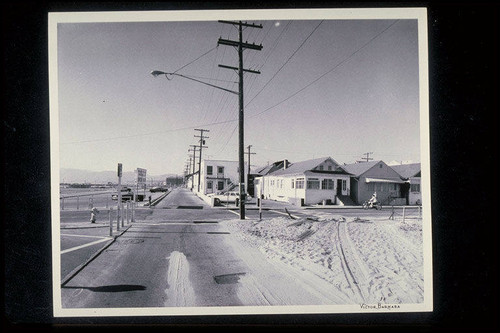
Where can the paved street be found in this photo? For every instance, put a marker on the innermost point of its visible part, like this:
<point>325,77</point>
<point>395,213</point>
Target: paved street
<point>176,254</point>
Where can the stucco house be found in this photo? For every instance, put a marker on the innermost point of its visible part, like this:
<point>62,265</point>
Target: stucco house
<point>316,181</point>
<point>375,176</point>
<point>217,176</point>
<point>410,173</point>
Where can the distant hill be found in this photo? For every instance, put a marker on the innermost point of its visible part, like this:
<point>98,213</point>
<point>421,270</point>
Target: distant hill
<point>103,177</point>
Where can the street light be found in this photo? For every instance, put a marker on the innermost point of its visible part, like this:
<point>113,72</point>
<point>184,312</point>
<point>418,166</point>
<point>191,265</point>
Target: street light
<point>157,73</point>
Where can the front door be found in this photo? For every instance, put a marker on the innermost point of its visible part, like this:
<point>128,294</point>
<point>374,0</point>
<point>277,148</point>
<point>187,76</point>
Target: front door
<point>339,186</point>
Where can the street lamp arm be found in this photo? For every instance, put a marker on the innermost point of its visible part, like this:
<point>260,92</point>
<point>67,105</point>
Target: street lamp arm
<point>157,73</point>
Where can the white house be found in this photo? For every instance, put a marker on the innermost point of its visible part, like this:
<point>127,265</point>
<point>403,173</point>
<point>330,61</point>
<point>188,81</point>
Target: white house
<point>218,175</point>
<point>310,182</point>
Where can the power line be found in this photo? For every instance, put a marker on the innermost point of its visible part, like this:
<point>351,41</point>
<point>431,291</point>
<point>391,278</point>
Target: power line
<point>204,54</point>
<point>328,72</point>
<point>286,62</point>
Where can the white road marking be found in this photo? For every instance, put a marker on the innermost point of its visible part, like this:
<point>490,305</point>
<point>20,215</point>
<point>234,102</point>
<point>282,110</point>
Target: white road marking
<point>179,291</point>
<point>85,245</point>
<point>72,235</point>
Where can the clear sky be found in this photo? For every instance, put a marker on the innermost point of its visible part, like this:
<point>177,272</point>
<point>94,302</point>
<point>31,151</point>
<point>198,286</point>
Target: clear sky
<point>336,88</point>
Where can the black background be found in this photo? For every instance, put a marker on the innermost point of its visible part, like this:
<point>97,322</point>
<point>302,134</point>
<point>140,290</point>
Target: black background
<point>463,86</point>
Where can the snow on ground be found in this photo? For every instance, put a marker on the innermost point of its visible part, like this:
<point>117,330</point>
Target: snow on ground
<point>368,260</point>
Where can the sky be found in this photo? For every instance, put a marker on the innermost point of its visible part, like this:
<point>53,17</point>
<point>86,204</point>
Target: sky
<point>338,88</point>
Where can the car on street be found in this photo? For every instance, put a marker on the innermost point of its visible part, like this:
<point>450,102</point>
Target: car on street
<point>227,197</point>
<point>158,189</point>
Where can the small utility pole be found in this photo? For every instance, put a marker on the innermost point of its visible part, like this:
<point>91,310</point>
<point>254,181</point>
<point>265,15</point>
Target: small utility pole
<point>202,142</point>
<point>248,169</point>
<point>194,148</point>
<point>367,158</point>
<point>240,45</point>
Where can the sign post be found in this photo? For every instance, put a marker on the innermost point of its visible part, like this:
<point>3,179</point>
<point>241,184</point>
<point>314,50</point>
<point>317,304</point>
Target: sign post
<point>140,178</point>
<point>119,196</point>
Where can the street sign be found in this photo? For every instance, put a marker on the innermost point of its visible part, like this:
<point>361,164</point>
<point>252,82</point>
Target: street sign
<point>140,176</point>
<point>119,169</point>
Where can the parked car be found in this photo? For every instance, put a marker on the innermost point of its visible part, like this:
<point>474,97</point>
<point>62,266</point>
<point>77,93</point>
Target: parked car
<point>227,197</point>
<point>158,189</point>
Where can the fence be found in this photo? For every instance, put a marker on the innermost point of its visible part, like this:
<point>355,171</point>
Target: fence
<point>87,201</point>
<point>406,213</point>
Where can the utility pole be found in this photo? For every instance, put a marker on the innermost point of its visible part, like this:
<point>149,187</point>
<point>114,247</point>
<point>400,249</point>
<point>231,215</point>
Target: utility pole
<point>367,158</point>
<point>195,147</point>
<point>202,142</point>
<point>248,172</point>
<point>240,46</point>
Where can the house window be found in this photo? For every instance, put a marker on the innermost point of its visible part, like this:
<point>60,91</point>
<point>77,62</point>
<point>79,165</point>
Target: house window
<point>293,183</point>
<point>209,185</point>
<point>313,184</point>
<point>210,169</point>
<point>321,168</point>
<point>299,183</point>
<point>327,184</point>
<point>380,165</point>
<point>329,168</point>
<point>220,169</point>
<point>344,184</point>
<point>220,185</point>
<point>415,187</point>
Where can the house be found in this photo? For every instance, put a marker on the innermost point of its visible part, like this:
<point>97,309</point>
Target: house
<point>217,176</point>
<point>410,173</point>
<point>316,181</point>
<point>375,176</point>
<point>262,171</point>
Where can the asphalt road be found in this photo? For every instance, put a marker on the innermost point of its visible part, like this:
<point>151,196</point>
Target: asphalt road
<point>175,254</point>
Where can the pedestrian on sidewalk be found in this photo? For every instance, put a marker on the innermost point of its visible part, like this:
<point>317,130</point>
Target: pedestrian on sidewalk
<point>93,214</point>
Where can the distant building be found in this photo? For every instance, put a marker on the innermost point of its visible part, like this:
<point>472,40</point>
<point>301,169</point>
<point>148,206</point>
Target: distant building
<point>375,176</point>
<point>174,181</point>
<point>217,176</point>
<point>410,173</point>
<point>310,182</point>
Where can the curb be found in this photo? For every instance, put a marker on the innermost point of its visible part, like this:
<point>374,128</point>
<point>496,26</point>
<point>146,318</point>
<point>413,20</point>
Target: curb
<point>75,271</point>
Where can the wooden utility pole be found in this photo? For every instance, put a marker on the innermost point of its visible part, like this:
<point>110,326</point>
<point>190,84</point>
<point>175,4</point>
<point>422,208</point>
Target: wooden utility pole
<point>248,169</point>
<point>202,145</point>
<point>240,45</point>
<point>367,158</point>
<point>195,147</point>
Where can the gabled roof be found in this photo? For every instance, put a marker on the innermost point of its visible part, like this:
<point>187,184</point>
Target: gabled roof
<point>262,171</point>
<point>358,169</point>
<point>301,167</point>
<point>407,170</point>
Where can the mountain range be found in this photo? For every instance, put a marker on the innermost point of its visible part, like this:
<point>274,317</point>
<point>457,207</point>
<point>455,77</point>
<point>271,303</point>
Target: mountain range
<point>103,177</point>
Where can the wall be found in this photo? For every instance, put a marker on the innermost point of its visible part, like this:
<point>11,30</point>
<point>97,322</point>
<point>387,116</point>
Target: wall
<point>415,197</point>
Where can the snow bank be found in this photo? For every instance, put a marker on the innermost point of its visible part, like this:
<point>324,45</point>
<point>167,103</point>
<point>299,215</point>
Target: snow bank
<point>369,260</point>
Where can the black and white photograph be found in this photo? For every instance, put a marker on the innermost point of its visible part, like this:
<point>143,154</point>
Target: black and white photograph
<point>240,162</point>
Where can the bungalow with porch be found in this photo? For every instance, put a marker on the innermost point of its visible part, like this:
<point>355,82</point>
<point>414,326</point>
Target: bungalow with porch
<point>410,173</point>
<point>375,176</point>
<point>316,181</point>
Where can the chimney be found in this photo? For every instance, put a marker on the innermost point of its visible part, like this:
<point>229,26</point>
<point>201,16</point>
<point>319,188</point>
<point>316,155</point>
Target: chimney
<point>285,164</point>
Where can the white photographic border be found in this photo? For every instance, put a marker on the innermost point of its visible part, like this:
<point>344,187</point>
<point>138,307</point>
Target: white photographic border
<point>420,14</point>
